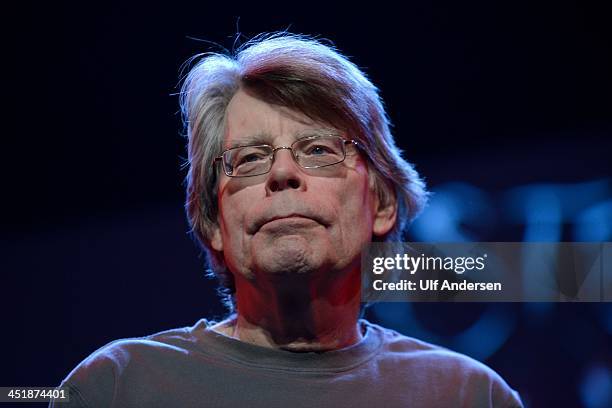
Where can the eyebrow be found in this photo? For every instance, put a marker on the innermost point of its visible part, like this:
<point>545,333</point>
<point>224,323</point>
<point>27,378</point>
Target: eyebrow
<point>265,138</point>
<point>259,138</point>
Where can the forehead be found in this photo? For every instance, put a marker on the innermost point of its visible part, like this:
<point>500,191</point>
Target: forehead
<point>250,120</point>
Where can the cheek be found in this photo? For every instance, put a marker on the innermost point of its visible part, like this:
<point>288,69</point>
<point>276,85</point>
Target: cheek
<point>233,204</point>
<point>232,234</point>
<point>232,210</point>
<point>355,209</point>
<point>359,193</point>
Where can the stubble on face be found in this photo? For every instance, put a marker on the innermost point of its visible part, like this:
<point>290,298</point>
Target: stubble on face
<point>289,246</point>
<point>329,204</point>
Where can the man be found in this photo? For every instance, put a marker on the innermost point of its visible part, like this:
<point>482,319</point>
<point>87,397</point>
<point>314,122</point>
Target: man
<point>292,171</point>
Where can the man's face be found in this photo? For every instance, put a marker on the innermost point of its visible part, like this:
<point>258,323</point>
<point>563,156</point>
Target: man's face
<point>291,220</point>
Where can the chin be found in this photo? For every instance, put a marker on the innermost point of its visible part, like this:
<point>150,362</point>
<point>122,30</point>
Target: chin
<point>288,255</point>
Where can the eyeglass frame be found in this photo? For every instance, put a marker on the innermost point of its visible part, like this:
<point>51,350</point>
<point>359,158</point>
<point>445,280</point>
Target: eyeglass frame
<point>290,148</point>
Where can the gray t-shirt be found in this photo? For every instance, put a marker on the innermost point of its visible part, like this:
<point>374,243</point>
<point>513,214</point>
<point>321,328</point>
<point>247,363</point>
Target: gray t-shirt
<point>198,367</point>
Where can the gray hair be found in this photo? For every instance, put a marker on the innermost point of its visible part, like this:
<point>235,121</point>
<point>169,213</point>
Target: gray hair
<point>307,76</point>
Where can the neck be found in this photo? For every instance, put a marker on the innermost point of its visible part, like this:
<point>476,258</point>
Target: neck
<point>300,314</point>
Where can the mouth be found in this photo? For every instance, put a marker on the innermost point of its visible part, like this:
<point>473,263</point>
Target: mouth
<point>287,218</point>
<point>291,219</point>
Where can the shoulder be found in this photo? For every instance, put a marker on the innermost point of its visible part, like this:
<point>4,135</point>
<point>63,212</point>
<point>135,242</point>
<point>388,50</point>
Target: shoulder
<point>444,368</point>
<point>96,378</point>
<point>119,353</point>
<point>400,347</point>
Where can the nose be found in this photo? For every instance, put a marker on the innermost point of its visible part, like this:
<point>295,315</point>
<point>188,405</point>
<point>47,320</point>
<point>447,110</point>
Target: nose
<point>285,172</point>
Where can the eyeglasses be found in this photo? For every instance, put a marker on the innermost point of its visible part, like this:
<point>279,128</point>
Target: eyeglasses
<point>310,152</point>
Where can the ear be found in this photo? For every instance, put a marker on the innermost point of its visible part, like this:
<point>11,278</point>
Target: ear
<point>385,215</point>
<point>216,241</point>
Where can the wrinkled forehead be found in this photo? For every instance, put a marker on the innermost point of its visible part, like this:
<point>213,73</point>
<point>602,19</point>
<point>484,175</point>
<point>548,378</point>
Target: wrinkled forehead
<point>250,120</point>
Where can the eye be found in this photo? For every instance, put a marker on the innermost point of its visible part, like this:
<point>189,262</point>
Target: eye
<point>318,150</point>
<point>250,158</point>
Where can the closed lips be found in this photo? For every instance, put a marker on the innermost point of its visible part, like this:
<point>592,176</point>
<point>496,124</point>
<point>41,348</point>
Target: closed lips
<point>288,217</point>
<point>260,223</point>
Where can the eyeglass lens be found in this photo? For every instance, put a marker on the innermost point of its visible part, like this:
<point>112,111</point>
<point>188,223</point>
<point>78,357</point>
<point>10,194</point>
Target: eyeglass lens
<point>311,152</point>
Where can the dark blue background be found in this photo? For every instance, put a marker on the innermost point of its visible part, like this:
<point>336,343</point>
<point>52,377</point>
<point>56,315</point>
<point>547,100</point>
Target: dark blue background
<point>505,107</point>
